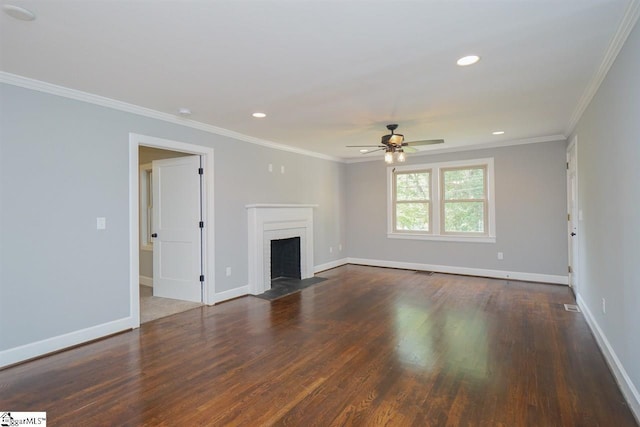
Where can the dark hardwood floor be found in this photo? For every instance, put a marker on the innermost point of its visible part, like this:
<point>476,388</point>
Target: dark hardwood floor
<point>370,346</point>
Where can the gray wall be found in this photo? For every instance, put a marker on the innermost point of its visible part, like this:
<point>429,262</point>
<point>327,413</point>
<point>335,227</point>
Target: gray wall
<point>609,197</point>
<point>65,162</point>
<point>531,214</point>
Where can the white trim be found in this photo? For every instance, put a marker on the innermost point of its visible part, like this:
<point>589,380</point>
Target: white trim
<point>60,342</point>
<point>25,82</point>
<point>615,45</point>
<point>497,274</point>
<point>231,294</point>
<point>479,146</point>
<point>135,141</point>
<point>443,238</point>
<point>629,390</point>
<point>146,281</point>
<point>329,265</point>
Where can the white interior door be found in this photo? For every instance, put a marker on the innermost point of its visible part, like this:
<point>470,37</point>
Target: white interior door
<point>176,228</point>
<point>572,201</point>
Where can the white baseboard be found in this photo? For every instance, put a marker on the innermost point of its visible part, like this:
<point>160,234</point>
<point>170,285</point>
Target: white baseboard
<point>330,265</point>
<point>627,387</point>
<point>60,342</point>
<point>231,294</point>
<point>498,274</point>
<point>146,281</point>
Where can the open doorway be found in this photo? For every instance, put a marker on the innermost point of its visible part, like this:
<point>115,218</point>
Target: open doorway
<point>156,299</point>
<point>171,265</point>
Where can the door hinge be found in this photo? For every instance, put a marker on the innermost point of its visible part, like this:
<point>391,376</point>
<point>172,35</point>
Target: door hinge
<point>200,171</point>
<point>567,165</point>
<point>201,224</point>
<point>570,271</point>
<point>202,277</point>
<point>568,217</point>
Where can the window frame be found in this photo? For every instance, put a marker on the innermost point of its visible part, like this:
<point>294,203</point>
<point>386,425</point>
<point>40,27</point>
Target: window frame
<point>146,206</point>
<point>427,201</point>
<point>436,203</point>
<point>444,202</point>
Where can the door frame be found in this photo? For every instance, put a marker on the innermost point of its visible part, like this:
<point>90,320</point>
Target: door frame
<point>135,141</point>
<point>573,241</point>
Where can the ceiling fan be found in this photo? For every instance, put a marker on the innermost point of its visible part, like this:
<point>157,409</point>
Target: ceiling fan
<point>394,144</point>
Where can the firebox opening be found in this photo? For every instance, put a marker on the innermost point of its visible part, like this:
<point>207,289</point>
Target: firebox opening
<point>285,258</point>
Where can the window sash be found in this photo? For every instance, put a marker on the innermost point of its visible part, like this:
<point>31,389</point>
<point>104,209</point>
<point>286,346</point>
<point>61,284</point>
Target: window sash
<point>396,202</point>
<point>444,202</point>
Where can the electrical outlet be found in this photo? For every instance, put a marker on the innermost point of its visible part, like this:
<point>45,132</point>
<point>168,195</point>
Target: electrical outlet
<point>330,249</point>
<point>281,169</point>
<point>228,271</point>
<point>270,167</point>
<point>500,255</point>
<point>340,247</point>
<point>604,306</point>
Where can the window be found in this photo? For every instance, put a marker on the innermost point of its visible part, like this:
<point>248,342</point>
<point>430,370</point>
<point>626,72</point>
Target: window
<point>464,200</point>
<point>412,205</point>
<point>442,201</point>
<point>146,206</point>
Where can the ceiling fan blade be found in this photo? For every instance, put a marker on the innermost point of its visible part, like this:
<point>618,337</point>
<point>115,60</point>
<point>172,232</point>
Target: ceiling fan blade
<point>426,142</point>
<point>364,146</point>
<point>409,149</point>
<point>373,151</point>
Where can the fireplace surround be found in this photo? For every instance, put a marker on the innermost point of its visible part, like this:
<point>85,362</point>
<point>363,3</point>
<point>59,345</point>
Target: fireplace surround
<point>267,222</point>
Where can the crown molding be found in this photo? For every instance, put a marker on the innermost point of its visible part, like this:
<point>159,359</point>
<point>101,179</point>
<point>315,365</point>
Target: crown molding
<point>40,86</point>
<point>624,29</point>
<point>481,146</point>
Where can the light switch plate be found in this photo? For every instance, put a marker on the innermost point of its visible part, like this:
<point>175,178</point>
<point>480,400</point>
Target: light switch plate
<point>101,223</point>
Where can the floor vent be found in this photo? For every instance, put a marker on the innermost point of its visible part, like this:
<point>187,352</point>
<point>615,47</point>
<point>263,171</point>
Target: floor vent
<point>572,307</point>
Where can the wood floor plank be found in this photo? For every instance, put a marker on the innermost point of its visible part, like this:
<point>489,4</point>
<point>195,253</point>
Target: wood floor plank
<point>369,346</point>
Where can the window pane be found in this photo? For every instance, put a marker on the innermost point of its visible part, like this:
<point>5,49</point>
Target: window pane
<point>464,217</point>
<point>464,184</point>
<point>412,216</point>
<point>412,186</point>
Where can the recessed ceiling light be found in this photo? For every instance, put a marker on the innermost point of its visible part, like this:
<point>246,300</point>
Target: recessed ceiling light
<point>184,112</point>
<point>468,60</point>
<point>498,132</point>
<point>364,150</point>
<point>18,12</point>
<point>259,115</point>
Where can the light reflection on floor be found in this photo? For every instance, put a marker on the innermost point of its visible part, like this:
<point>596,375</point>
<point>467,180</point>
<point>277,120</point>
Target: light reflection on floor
<point>458,341</point>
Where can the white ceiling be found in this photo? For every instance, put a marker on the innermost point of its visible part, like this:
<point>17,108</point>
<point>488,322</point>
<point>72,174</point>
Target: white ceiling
<point>328,73</point>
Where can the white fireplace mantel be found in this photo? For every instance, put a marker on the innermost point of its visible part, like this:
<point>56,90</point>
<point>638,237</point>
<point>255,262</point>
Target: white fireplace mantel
<point>271,221</point>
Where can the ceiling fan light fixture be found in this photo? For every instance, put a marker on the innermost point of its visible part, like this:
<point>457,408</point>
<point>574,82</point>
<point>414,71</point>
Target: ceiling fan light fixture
<point>388,156</point>
<point>401,156</point>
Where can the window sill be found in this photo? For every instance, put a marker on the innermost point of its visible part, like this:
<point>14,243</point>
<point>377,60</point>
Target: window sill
<point>439,237</point>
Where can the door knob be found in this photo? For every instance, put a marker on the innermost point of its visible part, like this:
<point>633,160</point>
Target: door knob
<point>572,234</point>
<point>154,235</point>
